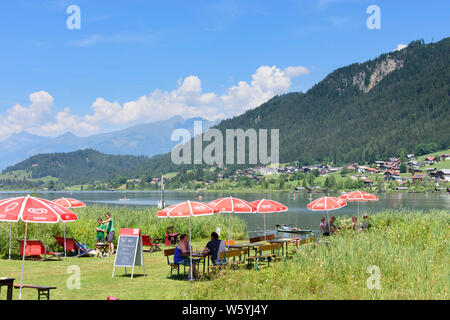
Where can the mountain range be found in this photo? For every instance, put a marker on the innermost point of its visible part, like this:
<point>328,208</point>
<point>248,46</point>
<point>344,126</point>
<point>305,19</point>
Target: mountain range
<point>143,139</point>
<point>398,103</point>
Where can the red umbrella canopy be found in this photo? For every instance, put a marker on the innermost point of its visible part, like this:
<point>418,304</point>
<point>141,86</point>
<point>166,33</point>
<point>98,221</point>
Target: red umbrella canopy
<point>358,196</point>
<point>326,204</point>
<point>69,203</point>
<point>186,209</point>
<point>268,206</point>
<point>31,209</point>
<point>230,205</point>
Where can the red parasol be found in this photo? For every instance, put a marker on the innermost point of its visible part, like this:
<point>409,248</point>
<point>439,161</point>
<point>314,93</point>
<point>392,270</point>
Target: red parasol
<point>358,196</point>
<point>69,203</point>
<point>187,209</point>
<point>231,205</point>
<point>326,204</point>
<point>36,210</point>
<point>268,206</point>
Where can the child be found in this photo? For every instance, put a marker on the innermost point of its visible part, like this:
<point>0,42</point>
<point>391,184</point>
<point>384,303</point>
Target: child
<point>100,231</point>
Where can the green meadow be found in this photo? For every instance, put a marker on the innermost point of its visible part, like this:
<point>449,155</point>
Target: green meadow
<point>409,250</point>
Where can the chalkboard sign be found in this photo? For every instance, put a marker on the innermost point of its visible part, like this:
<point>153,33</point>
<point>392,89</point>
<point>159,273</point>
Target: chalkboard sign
<point>129,250</point>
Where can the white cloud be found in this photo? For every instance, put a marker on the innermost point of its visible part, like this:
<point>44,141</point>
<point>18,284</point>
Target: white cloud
<point>400,47</point>
<point>19,117</point>
<point>186,100</point>
<point>296,71</point>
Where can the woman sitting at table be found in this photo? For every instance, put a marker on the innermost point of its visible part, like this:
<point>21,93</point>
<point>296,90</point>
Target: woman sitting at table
<point>215,247</point>
<point>182,257</point>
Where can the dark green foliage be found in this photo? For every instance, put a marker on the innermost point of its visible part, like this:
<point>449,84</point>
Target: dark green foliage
<point>409,111</point>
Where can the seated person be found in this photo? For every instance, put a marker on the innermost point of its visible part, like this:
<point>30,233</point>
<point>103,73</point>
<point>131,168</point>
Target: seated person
<point>285,227</point>
<point>355,224</point>
<point>324,227</point>
<point>334,229</point>
<point>181,256</point>
<point>215,247</point>
<point>366,224</point>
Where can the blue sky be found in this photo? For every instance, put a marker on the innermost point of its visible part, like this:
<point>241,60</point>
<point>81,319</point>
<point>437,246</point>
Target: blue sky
<point>141,61</point>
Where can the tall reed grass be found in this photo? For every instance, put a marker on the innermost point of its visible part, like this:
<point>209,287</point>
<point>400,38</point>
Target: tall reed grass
<point>410,249</point>
<point>144,218</point>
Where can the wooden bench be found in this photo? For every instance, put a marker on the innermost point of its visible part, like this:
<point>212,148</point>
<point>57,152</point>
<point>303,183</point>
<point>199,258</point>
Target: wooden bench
<point>236,262</point>
<point>301,242</point>
<point>43,291</point>
<point>173,265</point>
<point>259,257</point>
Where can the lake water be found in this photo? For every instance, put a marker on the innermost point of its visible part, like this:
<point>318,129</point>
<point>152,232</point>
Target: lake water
<point>297,214</point>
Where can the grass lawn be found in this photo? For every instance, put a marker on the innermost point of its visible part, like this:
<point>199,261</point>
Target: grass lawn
<point>410,250</point>
<point>96,278</point>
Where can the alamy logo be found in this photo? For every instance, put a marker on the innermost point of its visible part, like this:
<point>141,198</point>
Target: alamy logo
<point>74,20</point>
<point>235,139</point>
<point>373,282</point>
<point>374,21</point>
<point>74,280</point>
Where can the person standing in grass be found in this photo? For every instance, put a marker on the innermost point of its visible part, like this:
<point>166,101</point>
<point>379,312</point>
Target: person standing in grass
<point>109,223</point>
<point>333,228</point>
<point>100,229</point>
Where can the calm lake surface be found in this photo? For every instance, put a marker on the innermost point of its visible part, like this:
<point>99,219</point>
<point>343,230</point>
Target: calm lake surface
<point>297,215</point>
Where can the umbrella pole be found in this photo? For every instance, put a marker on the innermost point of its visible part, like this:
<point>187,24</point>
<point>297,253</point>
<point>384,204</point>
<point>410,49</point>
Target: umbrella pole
<point>265,238</point>
<point>329,224</point>
<point>23,260</point>
<point>9,256</point>
<point>65,254</point>
<point>190,249</point>
<point>358,210</point>
<point>229,228</point>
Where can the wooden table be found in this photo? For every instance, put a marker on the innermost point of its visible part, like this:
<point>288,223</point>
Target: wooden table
<point>172,238</point>
<point>253,245</point>
<point>9,282</point>
<point>197,257</point>
<point>245,245</point>
<point>283,241</point>
<point>43,291</point>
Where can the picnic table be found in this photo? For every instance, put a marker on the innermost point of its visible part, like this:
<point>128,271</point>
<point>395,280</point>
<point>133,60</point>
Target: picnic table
<point>197,257</point>
<point>7,282</point>
<point>283,242</point>
<point>43,291</point>
<point>247,246</point>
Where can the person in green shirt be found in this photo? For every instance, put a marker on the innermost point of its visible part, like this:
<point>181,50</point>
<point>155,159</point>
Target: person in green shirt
<point>109,223</point>
<point>100,230</point>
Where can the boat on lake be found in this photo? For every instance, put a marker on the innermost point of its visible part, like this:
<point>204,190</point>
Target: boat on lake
<point>291,229</point>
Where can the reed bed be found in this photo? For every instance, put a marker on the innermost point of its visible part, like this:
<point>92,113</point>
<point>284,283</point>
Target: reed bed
<point>410,250</point>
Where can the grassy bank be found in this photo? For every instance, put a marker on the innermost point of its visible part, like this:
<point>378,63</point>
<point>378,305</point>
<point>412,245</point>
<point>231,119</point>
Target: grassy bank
<point>144,218</point>
<point>411,251</point>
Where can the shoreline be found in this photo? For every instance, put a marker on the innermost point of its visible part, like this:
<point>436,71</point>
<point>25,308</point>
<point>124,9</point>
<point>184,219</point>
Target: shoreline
<point>334,192</point>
